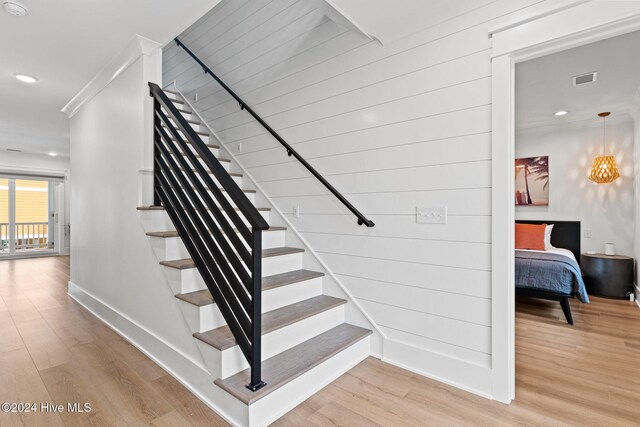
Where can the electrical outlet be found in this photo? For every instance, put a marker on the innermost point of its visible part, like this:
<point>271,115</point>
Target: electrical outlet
<point>195,97</point>
<point>296,211</point>
<point>239,147</point>
<point>431,215</point>
<point>587,233</point>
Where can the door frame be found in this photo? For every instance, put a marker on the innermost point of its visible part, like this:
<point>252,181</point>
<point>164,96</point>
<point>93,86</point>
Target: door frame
<point>565,25</point>
<point>51,209</point>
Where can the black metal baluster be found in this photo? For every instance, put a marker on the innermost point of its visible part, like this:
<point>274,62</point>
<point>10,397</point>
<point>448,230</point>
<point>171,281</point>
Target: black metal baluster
<point>256,315</point>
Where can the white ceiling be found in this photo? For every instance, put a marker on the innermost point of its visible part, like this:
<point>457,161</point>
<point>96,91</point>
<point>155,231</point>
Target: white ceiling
<point>544,85</point>
<point>65,43</point>
<point>388,21</point>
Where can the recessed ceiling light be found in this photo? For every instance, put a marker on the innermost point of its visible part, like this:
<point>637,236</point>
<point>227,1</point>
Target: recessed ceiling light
<point>561,113</point>
<point>52,153</point>
<point>25,78</point>
<point>15,8</point>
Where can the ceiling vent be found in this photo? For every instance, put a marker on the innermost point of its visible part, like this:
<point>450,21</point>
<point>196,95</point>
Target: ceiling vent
<point>585,78</point>
<point>15,7</point>
<point>14,150</point>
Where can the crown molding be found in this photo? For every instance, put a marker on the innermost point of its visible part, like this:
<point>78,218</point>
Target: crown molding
<point>546,10</point>
<point>138,47</point>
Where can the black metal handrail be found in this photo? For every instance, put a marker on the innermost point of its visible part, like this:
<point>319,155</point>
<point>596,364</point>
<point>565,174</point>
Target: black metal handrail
<point>290,151</point>
<point>228,259</point>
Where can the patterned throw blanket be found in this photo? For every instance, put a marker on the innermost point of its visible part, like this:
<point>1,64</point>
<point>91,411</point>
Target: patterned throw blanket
<point>547,271</point>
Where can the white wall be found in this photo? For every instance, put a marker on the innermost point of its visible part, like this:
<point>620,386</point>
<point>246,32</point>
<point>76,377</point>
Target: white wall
<point>35,163</point>
<point>608,210</point>
<point>113,269</point>
<point>392,127</point>
<point>636,158</point>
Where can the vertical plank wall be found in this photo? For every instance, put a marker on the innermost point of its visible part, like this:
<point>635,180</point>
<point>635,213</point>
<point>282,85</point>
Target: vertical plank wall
<point>392,127</point>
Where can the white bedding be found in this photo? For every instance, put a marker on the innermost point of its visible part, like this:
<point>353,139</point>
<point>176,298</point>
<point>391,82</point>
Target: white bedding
<point>561,251</point>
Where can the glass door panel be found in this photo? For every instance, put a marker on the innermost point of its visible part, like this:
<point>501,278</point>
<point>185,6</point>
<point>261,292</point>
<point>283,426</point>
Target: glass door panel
<point>31,216</point>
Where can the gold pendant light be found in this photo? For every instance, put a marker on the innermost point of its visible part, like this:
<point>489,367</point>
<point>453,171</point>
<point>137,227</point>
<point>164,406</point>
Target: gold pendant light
<point>604,169</point>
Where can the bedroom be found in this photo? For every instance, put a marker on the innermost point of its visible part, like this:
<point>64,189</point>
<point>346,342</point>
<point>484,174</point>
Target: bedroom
<point>571,202</point>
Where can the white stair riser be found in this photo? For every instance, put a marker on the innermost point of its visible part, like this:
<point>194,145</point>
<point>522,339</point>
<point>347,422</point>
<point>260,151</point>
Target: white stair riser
<point>264,214</point>
<point>189,116</point>
<point>250,196</point>
<point>290,294</point>
<point>225,165</point>
<point>200,319</point>
<point>197,127</point>
<point>214,151</point>
<point>184,281</point>
<point>158,220</point>
<point>236,179</point>
<point>266,410</point>
<point>232,360</point>
<point>281,264</point>
<point>175,248</point>
<point>169,248</point>
<point>271,299</point>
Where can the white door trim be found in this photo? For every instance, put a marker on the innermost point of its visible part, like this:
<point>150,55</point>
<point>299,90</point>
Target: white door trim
<point>574,24</point>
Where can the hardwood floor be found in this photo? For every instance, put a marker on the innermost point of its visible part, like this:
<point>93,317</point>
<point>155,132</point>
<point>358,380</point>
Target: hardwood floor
<point>52,350</point>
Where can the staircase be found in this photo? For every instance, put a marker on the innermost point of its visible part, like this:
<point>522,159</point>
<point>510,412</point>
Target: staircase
<point>305,341</point>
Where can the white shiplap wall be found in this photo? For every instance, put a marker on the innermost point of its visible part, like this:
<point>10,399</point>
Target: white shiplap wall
<point>391,127</point>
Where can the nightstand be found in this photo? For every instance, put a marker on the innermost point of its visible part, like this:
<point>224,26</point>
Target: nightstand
<point>609,276</point>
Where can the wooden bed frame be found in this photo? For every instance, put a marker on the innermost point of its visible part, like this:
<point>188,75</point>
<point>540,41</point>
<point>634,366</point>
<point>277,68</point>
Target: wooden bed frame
<point>565,234</point>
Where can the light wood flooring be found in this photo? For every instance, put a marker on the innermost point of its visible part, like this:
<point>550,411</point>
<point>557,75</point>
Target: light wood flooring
<point>52,350</point>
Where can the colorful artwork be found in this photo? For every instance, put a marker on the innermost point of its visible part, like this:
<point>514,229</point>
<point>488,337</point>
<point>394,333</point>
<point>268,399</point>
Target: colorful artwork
<point>532,181</point>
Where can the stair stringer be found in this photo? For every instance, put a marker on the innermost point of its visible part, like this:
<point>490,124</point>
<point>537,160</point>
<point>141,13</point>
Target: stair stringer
<point>332,286</point>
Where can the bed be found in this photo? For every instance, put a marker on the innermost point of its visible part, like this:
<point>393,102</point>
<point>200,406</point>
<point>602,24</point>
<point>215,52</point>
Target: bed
<point>553,274</point>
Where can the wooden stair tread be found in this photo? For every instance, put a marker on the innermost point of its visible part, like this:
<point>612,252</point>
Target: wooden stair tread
<point>150,208</point>
<point>288,278</point>
<point>163,234</point>
<point>284,250</point>
<point>204,297</point>
<point>182,264</point>
<point>283,368</point>
<point>222,338</point>
<point>174,233</point>
<point>197,298</point>
<point>161,208</point>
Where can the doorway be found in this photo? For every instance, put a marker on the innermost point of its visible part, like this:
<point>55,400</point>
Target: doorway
<point>27,217</point>
<point>551,29</point>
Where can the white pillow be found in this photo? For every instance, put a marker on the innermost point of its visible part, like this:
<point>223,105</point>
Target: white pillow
<point>547,237</point>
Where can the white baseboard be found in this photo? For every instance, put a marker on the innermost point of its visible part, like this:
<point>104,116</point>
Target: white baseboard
<point>191,373</point>
<point>457,373</point>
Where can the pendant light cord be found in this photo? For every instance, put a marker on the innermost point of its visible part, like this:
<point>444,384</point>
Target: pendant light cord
<point>604,133</point>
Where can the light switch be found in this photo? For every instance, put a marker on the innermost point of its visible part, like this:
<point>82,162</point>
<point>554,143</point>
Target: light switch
<point>431,215</point>
<point>296,211</point>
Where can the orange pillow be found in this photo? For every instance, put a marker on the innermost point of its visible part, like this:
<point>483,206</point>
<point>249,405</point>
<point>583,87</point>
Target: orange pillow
<point>530,236</point>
